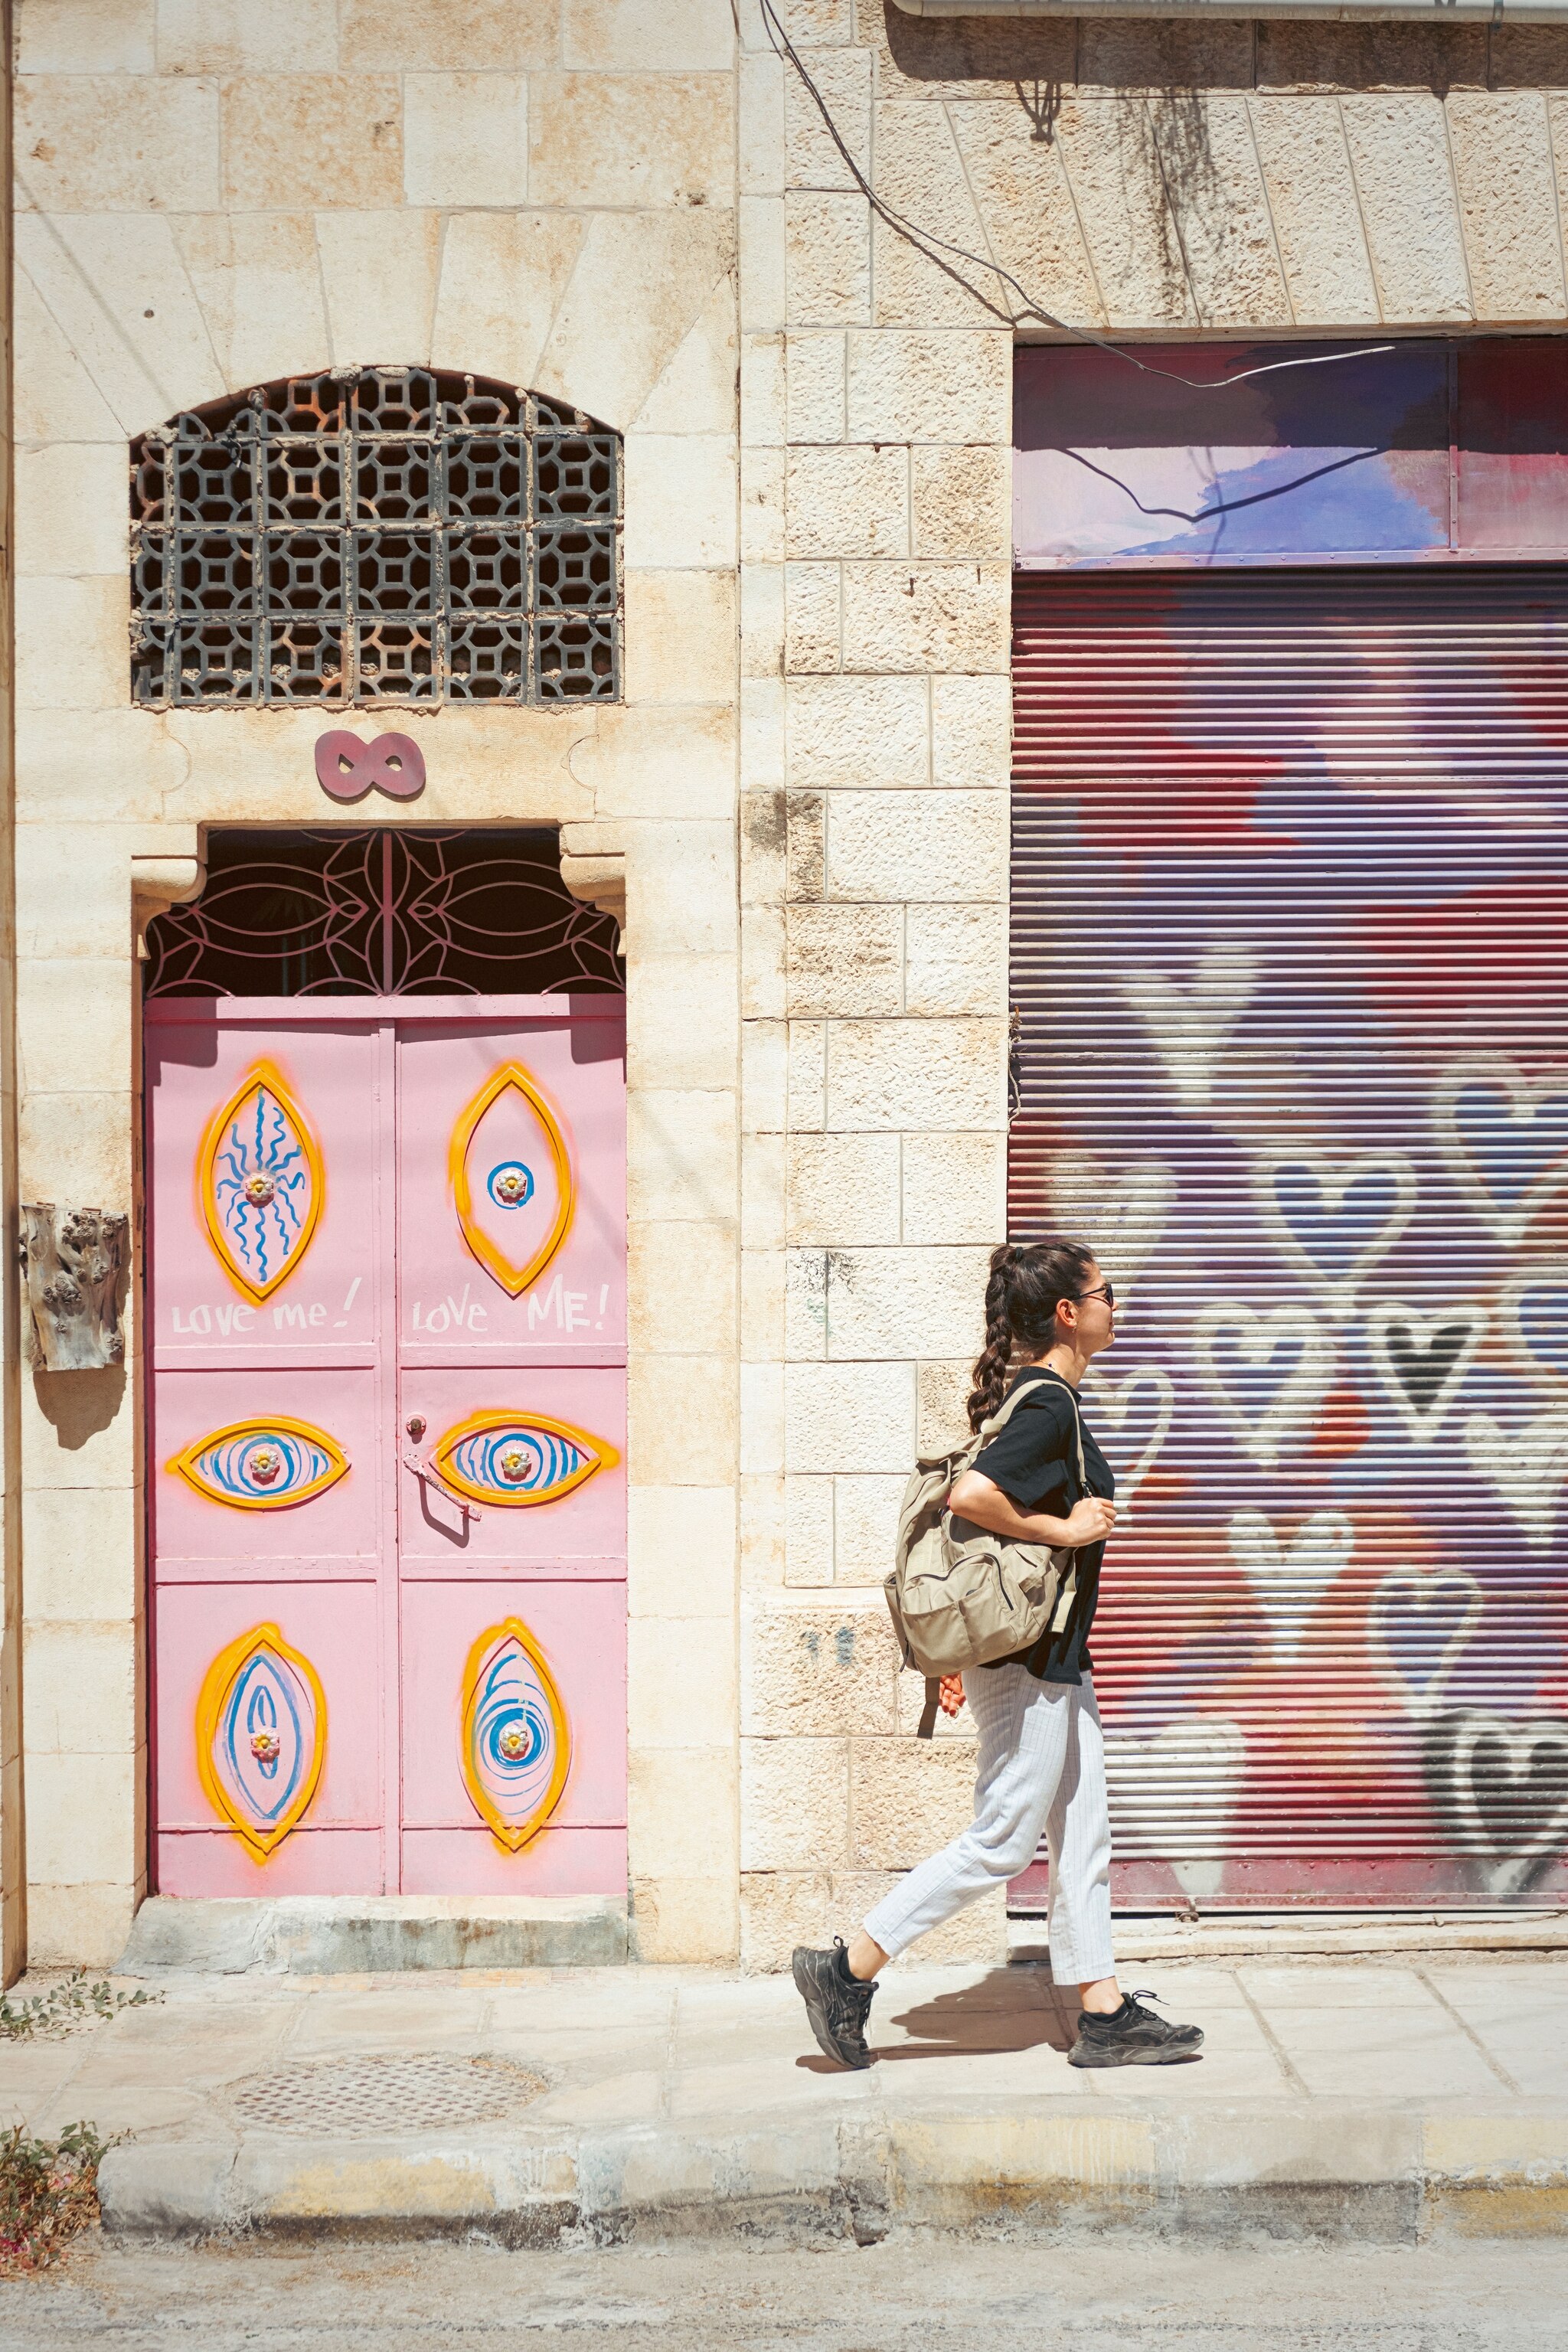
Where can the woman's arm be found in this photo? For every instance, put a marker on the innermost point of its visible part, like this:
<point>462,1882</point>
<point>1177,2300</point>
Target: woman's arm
<point>980,1500</point>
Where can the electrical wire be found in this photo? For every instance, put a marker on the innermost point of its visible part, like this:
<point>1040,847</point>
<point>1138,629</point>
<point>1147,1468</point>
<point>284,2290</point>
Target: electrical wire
<point>933,247</point>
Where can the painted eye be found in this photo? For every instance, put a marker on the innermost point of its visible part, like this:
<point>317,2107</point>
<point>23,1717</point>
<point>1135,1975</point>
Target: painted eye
<point>260,1466</point>
<point>512,1177</point>
<point>261,1181</point>
<point>517,1748</point>
<point>505,1457</point>
<point>261,1736</point>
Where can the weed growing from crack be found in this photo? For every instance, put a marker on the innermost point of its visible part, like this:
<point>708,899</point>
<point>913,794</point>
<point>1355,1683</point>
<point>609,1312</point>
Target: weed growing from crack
<point>70,2003</point>
<point>49,2190</point>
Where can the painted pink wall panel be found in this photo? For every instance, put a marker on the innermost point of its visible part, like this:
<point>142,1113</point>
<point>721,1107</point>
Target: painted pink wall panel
<point>448,1302</point>
<point>327,1303</point>
<point>339,1523</point>
<point>559,1862</point>
<point>588,1524</point>
<point>335,1626</point>
<point>311,1862</point>
<point>580,1628</point>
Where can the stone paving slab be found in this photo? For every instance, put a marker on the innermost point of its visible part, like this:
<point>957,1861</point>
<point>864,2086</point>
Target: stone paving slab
<point>1381,2100</point>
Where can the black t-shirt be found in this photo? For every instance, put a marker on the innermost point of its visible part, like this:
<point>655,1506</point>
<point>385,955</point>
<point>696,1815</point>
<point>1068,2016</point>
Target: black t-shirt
<point>1035,1462</point>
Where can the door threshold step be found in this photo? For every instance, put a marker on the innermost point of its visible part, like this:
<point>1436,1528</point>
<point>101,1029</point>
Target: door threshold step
<point>353,1935</point>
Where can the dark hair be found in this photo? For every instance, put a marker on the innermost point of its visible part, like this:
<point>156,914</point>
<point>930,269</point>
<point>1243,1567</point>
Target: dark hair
<point>1021,1311</point>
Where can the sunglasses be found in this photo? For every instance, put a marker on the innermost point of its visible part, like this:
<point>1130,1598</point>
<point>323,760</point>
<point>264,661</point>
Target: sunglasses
<point>1107,1291</point>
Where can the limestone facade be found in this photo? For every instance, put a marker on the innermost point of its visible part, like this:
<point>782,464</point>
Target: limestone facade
<point>633,205</point>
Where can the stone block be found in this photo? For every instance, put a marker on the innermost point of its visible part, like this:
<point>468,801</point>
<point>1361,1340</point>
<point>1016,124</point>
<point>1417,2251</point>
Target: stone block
<point>1165,57</point>
<point>763,538</point>
<point>683,1419</point>
<point>465,138</point>
<point>379,270</point>
<point>762,761</point>
<point>795,1803</point>
<point>93,36</point>
<point>764,1079</point>
<point>73,644</point>
<point>696,391</point>
<point>680,493</point>
<point>70,509</point>
<point>955,1188</point>
<point>680,1802</point>
<point>1113,166</point>
<point>910,1798</point>
<point>916,1074</point>
<point>763,995</point>
<point>1306,167</point>
<point>681,1153</point>
<point>1022,192</point>
<point>654,273</point>
<point>101,275</point>
<point>80,1687</point>
<point>911,616</point>
<point>813,619</point>
<point>763,847</point>
<point>680,1682</point>
<point>844,959</point>
<point>502,278</point>
<point>1399,152</point>
<point>499,36</point>
<point>857,730</point>
<point>680,886</point>
<point>808,1531</point>
<point>1361,57</point>
<point>828,259</point>
<point>689,1921</point>
<point>806,1070</point>
<point>957,959</point>
<point>682,1279</point>
<point>762,1344</point>
<point>806,1304</point>
<point>845,500</point>
<point>327,139</point>
<point>815,382</point>
<point>762,1525</point>
<point>77,1143</point>
<point>116,143</point>
<point>962,501</point>
<point>229,36</point>
<point>81,1925</point>
<point>762,1399</point>
<point>843,1189</point>
<point>83,1818</point>
<point>972,730</point>
<point>917,1302</point>
<point>763,625</point>
<point>759,107</point>
<point>1502,146</point>
<point>818,1671</point>
<point>259,279</point>
<point>920,174</point>
<point>680,1025</point>
<point>55,396</point>
<point>681,636</point>
<point>662,36</point>
<point>941,1399</point>
<point>762,248</point>
<point>844,80</point>
<point>642,139</point>
<point>681,1543</point>
<point>946,846</point>
<point>762,1191</point>
<point>762,416</point>
<point>843,1417</point>
<point>74,1574</point>
<point>1522,57</point>
<point>1213,183</point>
<point>651,763</point>
<point>865,1527</point>
<point>929,385</point>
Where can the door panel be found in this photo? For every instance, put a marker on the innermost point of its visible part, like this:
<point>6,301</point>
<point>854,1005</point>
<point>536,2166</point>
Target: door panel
<point>234,1506</point>
<point>528,1431</point>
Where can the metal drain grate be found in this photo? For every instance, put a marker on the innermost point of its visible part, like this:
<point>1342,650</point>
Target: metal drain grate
<point>354,2098</point>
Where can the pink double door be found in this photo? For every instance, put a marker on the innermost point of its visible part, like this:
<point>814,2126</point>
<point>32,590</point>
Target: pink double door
<point>387,1329</point>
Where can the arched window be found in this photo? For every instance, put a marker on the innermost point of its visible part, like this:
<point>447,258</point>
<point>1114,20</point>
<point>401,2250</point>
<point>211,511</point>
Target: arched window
<point>376,535</point>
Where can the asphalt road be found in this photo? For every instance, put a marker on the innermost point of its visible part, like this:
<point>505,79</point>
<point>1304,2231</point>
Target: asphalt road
<point>1103,2295</point>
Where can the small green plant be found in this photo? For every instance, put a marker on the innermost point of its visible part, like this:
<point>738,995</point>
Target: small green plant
<point>72,2002</point>
<point>49,2190</point>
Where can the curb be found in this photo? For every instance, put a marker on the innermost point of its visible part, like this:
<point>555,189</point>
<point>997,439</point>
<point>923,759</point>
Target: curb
<point>1392,2175</point>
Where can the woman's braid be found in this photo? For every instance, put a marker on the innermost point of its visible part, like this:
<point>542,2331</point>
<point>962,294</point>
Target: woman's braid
<point>1021,1312</point>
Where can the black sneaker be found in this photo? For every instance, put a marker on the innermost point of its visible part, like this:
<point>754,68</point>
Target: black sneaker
<point>1132,2036</point>
<point>836,2003</point>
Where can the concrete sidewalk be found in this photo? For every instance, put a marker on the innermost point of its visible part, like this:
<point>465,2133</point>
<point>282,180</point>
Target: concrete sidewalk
<point>1385,2100</point>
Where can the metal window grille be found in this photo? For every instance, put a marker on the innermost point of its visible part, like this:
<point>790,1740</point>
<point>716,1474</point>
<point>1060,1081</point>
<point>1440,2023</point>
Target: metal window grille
<point>376,535</point>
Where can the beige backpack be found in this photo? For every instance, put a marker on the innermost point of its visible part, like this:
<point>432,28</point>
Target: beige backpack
<point>961,1600</point>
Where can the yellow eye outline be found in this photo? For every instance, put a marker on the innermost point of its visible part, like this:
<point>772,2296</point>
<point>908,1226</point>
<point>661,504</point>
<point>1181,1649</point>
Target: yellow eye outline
<point>600,1456</point>
<point>184,1465</point>
<point>216,1684</point>
<point>513,1838</point>
<point>263,1077</point>
<point>513,1280</point>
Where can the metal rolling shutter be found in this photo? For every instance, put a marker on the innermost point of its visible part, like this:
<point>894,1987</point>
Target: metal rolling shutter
<point>1289,913</point>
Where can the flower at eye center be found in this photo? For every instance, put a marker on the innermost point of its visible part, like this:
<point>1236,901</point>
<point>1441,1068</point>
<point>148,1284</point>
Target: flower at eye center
<point>512,1742</point>
<point>264,1746</point>
<point>258,1190</point>
<point>264,1464</point>
<point>514,1465</point>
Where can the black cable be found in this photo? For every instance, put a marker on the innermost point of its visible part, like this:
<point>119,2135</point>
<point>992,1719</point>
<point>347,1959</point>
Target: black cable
<point>924,240</point>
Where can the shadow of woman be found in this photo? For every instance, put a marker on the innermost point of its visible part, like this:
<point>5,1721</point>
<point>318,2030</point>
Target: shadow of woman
<point>1009,2009</point>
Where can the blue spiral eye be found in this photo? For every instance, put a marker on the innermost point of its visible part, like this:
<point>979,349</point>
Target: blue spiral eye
<point>518,1459</point>
<point>260,1465</point>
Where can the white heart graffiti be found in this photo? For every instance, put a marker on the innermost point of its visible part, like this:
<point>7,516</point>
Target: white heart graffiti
<point>1115,1403</point>
<point>1398,1336</point>
<point>1545,1273</point>
<point>1123,1219</point>
<point>1257,1338</point>
<point>1335,1180</point>
<point>1409,1610</point>
<point>1506,1865</point>
<point>1176,1794</point>
<point>1512,1217</point>
<point>1190,1027</point>
<point>1289,1585</point>
<point>1527,1465</point>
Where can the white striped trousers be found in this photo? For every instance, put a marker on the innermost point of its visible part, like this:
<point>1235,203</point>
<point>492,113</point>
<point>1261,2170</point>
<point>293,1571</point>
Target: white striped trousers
<point>1041,1765</point>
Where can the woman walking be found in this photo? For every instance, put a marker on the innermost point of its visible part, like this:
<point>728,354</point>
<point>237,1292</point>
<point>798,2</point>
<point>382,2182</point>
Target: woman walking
<point>1041,1757</point>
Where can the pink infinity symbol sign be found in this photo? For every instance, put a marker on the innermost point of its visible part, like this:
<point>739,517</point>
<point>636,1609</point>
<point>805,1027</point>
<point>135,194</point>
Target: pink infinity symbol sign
<point>347,768</point>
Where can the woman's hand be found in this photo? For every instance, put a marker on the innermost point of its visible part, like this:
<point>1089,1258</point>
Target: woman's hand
<point>1089,1522</point>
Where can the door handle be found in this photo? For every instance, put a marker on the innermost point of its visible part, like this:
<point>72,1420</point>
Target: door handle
<point>427,1473</point>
